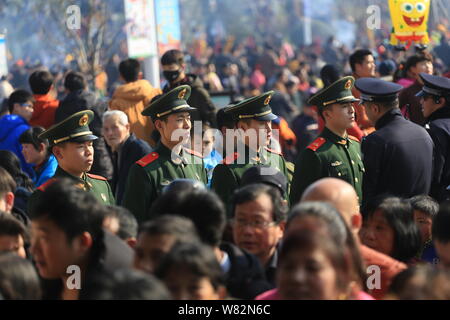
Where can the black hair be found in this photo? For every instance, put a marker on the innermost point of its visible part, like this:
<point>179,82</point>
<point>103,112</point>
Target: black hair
<point>183,229</point>
<point>252,191</point>
<point>18,278</point>
<point>413,60</point>
<point>128,225</point>
<point>224,120</point>
<point>40,81</point>
<point>441,224</point>
<point>357,57</point>
<point>129,69</point>
<point>19,96</point>
<point>329,74</point>
<point>31,136</point>
<point>11,163</point>
<point>203,207</point>
<point>399,215</point>
<point>129,284</point>
<point>425,204</point>
<point>10,226</point>
<point>337,230</point>
<point>74,211</point>
<point>198,258</point>
<point>7,183</point>
<point>421,282</point>
<point>172,57</point>
<point>74,81</point>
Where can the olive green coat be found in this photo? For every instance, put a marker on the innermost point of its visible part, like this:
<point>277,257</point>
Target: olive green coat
<point>94,184</point>
<point>227,175</point>
<point>328,156</point>
<point>148,177</point>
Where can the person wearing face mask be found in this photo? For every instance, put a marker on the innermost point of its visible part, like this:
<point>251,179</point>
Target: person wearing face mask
<point>174,70</point>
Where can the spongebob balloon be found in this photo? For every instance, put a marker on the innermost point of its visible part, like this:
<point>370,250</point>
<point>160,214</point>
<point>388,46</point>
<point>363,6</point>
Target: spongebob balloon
<point>409,22</point>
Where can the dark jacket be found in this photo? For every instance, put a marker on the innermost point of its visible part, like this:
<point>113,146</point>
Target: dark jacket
<point>398,158</point>
<point>131,151</point>
<point>84,100</point>
<point>439,129</point>
<point>111,254</point>
<point>199,99</point>
<point>245,279</point>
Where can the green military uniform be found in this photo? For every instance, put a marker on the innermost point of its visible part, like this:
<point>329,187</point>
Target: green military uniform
<point>74,129</point>
<point>148,176</point>
<point>227,176</point>
<point>330,155</point>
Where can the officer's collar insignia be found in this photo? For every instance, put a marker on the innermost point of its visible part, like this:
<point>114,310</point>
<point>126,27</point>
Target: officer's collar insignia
<point>336,163</point>
<point>103,196</point>
<point>81,186</point>
<point>83,120</point>
<point>344,142</point>
<point>165,183</point>
<point>182,94</point>
<point>348,84</point>
<point>266,102</point>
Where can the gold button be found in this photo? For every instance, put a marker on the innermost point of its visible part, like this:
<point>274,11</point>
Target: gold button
<point>353,162</point>
<point>356,179</point>
<point>339,174</point>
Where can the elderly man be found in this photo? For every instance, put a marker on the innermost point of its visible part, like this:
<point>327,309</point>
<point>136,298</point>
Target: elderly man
<point>125,149</point>
<point>344,198</point>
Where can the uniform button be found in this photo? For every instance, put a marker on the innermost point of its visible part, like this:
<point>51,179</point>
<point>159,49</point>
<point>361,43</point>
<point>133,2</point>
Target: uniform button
<point>356,179</point>
<point>353,162</point>
<point>339,174</point>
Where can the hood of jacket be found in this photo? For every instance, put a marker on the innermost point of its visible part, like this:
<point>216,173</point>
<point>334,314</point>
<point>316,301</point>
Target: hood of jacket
<point>10,122</point>
<point>134,91</point>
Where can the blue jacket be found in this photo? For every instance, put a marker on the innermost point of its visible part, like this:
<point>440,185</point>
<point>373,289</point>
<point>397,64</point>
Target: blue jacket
<point>11,127</point>
<point>46,171</point>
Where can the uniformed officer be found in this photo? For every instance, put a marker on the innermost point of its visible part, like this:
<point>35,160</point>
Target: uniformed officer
<point>398,157</point>
<point>334,153</point>
<point>253,128</point>
<point>435,100</point>
<point>169,160</point>
<point>71,142</point>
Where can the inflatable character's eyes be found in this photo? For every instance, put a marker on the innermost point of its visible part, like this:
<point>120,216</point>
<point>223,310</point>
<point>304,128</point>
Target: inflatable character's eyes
<point>420,7</point>
<point>407,7</point>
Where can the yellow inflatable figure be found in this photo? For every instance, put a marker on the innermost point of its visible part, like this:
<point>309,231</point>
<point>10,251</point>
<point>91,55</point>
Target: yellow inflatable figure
<point>409,22</point>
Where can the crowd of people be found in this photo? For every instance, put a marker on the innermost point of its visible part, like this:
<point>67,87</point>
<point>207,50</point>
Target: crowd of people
<point>326,176</point>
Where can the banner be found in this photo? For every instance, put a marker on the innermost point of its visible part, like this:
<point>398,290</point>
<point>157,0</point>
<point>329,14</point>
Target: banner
<point>168,25</point>
<point>140,28</point>
<point>3,59</point>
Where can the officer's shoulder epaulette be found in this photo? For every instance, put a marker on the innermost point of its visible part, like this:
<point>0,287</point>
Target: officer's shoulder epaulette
<point>274,151</point>
<point>96,177</point>
<point>195,153</point>
<point>353,138</point>
<point>152,156</point>
<point>316,144</point>
<point>231,158</point>
<point>45,185</point>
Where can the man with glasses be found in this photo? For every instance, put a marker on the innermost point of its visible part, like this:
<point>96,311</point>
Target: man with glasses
<point>12,125</point>
<point>259,216</point>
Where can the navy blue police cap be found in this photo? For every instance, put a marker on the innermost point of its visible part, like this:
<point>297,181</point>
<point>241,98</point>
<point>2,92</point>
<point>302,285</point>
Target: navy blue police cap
<point>376,90</point>
<point>434,85</point>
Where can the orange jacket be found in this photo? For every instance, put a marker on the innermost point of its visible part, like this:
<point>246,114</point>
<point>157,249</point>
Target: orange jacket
<point>287,137</point>
<point>132,98</point>
<point>361,116</point>
<point>44,110</point>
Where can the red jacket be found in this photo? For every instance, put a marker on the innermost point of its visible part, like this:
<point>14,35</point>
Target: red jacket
<point>389,268</point>
<point>44,110</point>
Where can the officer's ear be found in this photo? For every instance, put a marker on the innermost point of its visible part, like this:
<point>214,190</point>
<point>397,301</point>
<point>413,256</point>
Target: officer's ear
<point>83,242</point>
<point>56,150</point>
